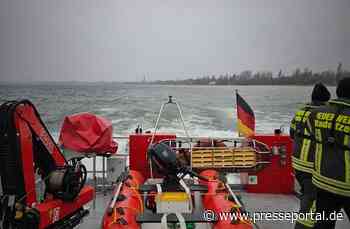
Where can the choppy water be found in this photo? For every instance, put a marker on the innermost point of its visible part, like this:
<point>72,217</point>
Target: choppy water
<point>208,110</point>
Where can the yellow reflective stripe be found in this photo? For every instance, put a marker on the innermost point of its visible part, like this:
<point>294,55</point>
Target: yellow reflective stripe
<point>318,154</point>
<point>336,183</point>
<point>318,157</point>
<point>313,206</point>
<point>347,160</point>
<point>304,163</point>
<point>302,151</point>
<point>303,166</point>
<point>330,188</point>
<point>305,147</point>
<point>347,166</point>
<point>304,155</point>
<point>309,222</point>
<point>318,135</point>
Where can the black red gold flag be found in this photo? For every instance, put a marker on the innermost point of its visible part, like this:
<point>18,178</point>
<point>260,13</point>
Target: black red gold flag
<point>245,117</point>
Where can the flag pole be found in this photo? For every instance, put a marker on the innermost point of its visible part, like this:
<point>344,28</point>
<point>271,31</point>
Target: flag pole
<point>239,134</point>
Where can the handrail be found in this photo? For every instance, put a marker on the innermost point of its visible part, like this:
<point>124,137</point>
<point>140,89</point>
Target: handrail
<point>170,101</point>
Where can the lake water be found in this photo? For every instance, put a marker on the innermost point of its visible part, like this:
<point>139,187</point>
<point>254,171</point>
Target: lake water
<point>207,110</point>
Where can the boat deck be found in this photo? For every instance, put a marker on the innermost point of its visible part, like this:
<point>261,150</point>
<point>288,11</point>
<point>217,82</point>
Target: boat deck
<point>253,203</point>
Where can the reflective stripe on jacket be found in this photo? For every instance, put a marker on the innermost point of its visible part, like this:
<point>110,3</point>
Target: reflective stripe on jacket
<point>303,156</point>
<point>330,128</point>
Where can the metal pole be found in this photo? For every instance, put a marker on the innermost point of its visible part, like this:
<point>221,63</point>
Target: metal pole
<point>156,126</point>
<point>94,178</point>
<point>182,120</point>
<point>103,176</point>
<point>153,135</point>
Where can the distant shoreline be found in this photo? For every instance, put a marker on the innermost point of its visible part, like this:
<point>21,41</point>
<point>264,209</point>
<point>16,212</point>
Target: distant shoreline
<point>178,84</point>
<point>249,78</point>
<point>83,83</point>
<point>246,78</point>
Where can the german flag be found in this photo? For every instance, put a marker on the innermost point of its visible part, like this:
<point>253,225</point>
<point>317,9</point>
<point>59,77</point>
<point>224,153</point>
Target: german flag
<point>245,117</point>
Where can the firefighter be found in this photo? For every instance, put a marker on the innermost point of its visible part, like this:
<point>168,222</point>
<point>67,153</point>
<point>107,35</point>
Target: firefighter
<point>302,156</point>
<point>330,128</point>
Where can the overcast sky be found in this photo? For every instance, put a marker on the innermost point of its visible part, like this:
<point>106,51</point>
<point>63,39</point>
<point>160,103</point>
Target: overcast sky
<point>123,40</point>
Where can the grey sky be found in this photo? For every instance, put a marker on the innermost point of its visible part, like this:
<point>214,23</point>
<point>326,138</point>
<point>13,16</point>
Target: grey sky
<point>115,40</point>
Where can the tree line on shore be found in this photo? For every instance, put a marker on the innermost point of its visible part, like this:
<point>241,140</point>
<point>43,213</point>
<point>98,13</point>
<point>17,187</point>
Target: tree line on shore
<point>298,77</point>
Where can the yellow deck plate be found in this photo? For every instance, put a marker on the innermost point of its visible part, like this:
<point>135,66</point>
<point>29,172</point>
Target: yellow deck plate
<point>172,197</point>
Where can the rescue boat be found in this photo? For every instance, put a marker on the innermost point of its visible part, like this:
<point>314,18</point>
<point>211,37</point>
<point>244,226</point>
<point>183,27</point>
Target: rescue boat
<point>184,182</point>
<point>172,181</point>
